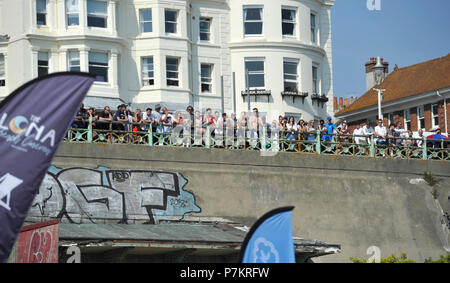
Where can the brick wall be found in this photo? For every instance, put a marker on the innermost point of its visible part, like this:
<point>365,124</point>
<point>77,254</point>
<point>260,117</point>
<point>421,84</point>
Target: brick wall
<point>428,123</point>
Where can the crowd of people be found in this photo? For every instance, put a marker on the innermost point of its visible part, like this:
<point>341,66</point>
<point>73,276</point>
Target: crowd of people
<point>248,126</point>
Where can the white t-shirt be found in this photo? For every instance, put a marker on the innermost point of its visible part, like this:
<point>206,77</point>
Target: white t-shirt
<point>380,131</point>
<point>359,132</point>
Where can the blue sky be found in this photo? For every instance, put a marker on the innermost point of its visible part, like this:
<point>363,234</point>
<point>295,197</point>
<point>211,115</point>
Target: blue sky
<point>403,32</point>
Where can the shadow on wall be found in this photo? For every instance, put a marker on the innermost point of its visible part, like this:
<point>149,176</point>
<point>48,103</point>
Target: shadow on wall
<point>82,195</point>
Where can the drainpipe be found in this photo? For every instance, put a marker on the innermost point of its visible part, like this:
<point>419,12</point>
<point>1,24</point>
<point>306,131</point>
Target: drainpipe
<point>445,110</point>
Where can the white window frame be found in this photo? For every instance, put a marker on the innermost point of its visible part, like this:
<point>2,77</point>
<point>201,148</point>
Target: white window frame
<point>255,59</point>
<point>105,16</point>
<point>44,66</point>
<point>206,80</point>
<point>175,23</point>
<point>68,13</point>
<point>434,115</point>
<point>70,59</point>
<point>171,71</point>
<point>297,63</point>
<point>146,79</point>
<point>407,118</point>
<point>101,66</point>
<point>419,108</point>
<point>3,76</point>
<point>315,80</point>
<point>314,38</point>
<point>253,21</point>
<point>45,13</point>
<point>142,21</point>
<point>390,119</point>
<point>294,22</point>
<point>209,20</point>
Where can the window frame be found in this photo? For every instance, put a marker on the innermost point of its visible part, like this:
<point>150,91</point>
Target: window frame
<point>147,80</point>
<point>40,66</point>
<point>314,38</point>
<point>3,77</point>
<point>99,66</point>
<point>68,13</point>
<point>253,21</point>
<point>419,117</point>
<point>255,73</point>
<point>69,60</point>
<point>170,22</point>
<point>143,21</point>
<point>315,80</point>
<point>177,80</point>
<point>209,20</point>
<point>204,80</point>
<point>297,63</point>
<point>293,22</point>
<point>407,119</point>
<point>434,115</point>
<point>104,16</point>
<point>45,13</point>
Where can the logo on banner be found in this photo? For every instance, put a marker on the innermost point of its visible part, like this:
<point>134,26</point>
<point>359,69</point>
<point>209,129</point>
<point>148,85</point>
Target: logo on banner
<point>7,184</point>
<point>24,134</point>
<point>264,251</point>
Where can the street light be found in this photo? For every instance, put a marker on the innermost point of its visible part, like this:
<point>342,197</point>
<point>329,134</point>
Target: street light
<point>378,71</point>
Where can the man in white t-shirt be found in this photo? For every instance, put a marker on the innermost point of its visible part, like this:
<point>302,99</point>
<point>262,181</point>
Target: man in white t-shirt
<point>418,136</point>
<point>380,132</point>
<point>358,132</point>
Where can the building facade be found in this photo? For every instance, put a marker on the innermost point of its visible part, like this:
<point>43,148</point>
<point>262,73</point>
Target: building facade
<point>213,53</point>
<point>416,95</point>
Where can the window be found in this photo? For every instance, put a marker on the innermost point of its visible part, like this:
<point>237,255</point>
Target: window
<point>434,115</point>
<point>253,21</point>
<point>172,71</point>
<point>74,61</point>
<point>290,68</point>
<point>407,115</point>
<point>313,29</point>
<point>146,20</point>
<point>72,12</point>
<point>288,21</point>
<point>97,13</point>
<point>2,71</point>
<point>171,21</point>
<point>206,79</point>
<point>42,63</point>
<point>98,66</point>
<point>254,68</point>
<point>315,82</point>
<point>205,29</point>
<point>148,75</point>
<point>421,117</point>
<point>41,12</point>
<point>390,119</point>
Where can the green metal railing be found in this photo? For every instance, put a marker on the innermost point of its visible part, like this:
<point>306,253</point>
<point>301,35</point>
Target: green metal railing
<point>272,141</point>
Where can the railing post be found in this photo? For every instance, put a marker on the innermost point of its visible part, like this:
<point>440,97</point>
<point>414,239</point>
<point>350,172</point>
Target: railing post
<point>150,135</point>
<point>263,140</point>
<point>208,137</point>
<point>424,149</point>
<point>318,145</point>
<point>89,135</point>
<point>372,146</point>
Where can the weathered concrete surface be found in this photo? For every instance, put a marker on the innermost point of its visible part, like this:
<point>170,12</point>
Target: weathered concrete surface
<point>357,203</point>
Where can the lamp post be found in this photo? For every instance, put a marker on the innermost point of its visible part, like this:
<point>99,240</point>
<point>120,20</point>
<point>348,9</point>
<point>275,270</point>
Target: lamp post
<point>378,71</point>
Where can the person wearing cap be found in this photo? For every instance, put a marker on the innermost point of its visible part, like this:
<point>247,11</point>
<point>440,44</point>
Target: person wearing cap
<point>437,138</point>
<point>331,127</point>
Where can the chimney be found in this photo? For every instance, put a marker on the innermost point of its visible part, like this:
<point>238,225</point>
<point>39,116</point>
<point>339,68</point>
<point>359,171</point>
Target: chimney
<point>370,78</point>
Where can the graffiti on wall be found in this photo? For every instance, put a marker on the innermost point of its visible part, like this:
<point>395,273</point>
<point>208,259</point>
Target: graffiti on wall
<point>83,195</point>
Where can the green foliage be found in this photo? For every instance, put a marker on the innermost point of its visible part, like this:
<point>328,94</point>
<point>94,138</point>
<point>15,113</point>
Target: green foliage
<point>392,259</point>
<point>442,259</point>
<point>404,259</point>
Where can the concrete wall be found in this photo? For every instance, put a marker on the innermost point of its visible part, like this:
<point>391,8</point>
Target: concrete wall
<point>357,203</point>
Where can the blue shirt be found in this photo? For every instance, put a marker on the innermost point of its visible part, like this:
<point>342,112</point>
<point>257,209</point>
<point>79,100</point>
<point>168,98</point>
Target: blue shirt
<point>330,127</point>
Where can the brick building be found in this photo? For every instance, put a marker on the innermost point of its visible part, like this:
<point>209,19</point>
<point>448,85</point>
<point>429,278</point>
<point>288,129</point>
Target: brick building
<point>416,95</point>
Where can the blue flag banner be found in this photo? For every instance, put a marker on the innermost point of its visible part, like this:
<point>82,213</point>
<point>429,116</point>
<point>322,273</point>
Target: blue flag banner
<point>270,240</point>
<point>33,122</point>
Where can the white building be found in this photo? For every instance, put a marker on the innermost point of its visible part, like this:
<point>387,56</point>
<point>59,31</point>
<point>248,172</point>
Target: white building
<point>177,52</point>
